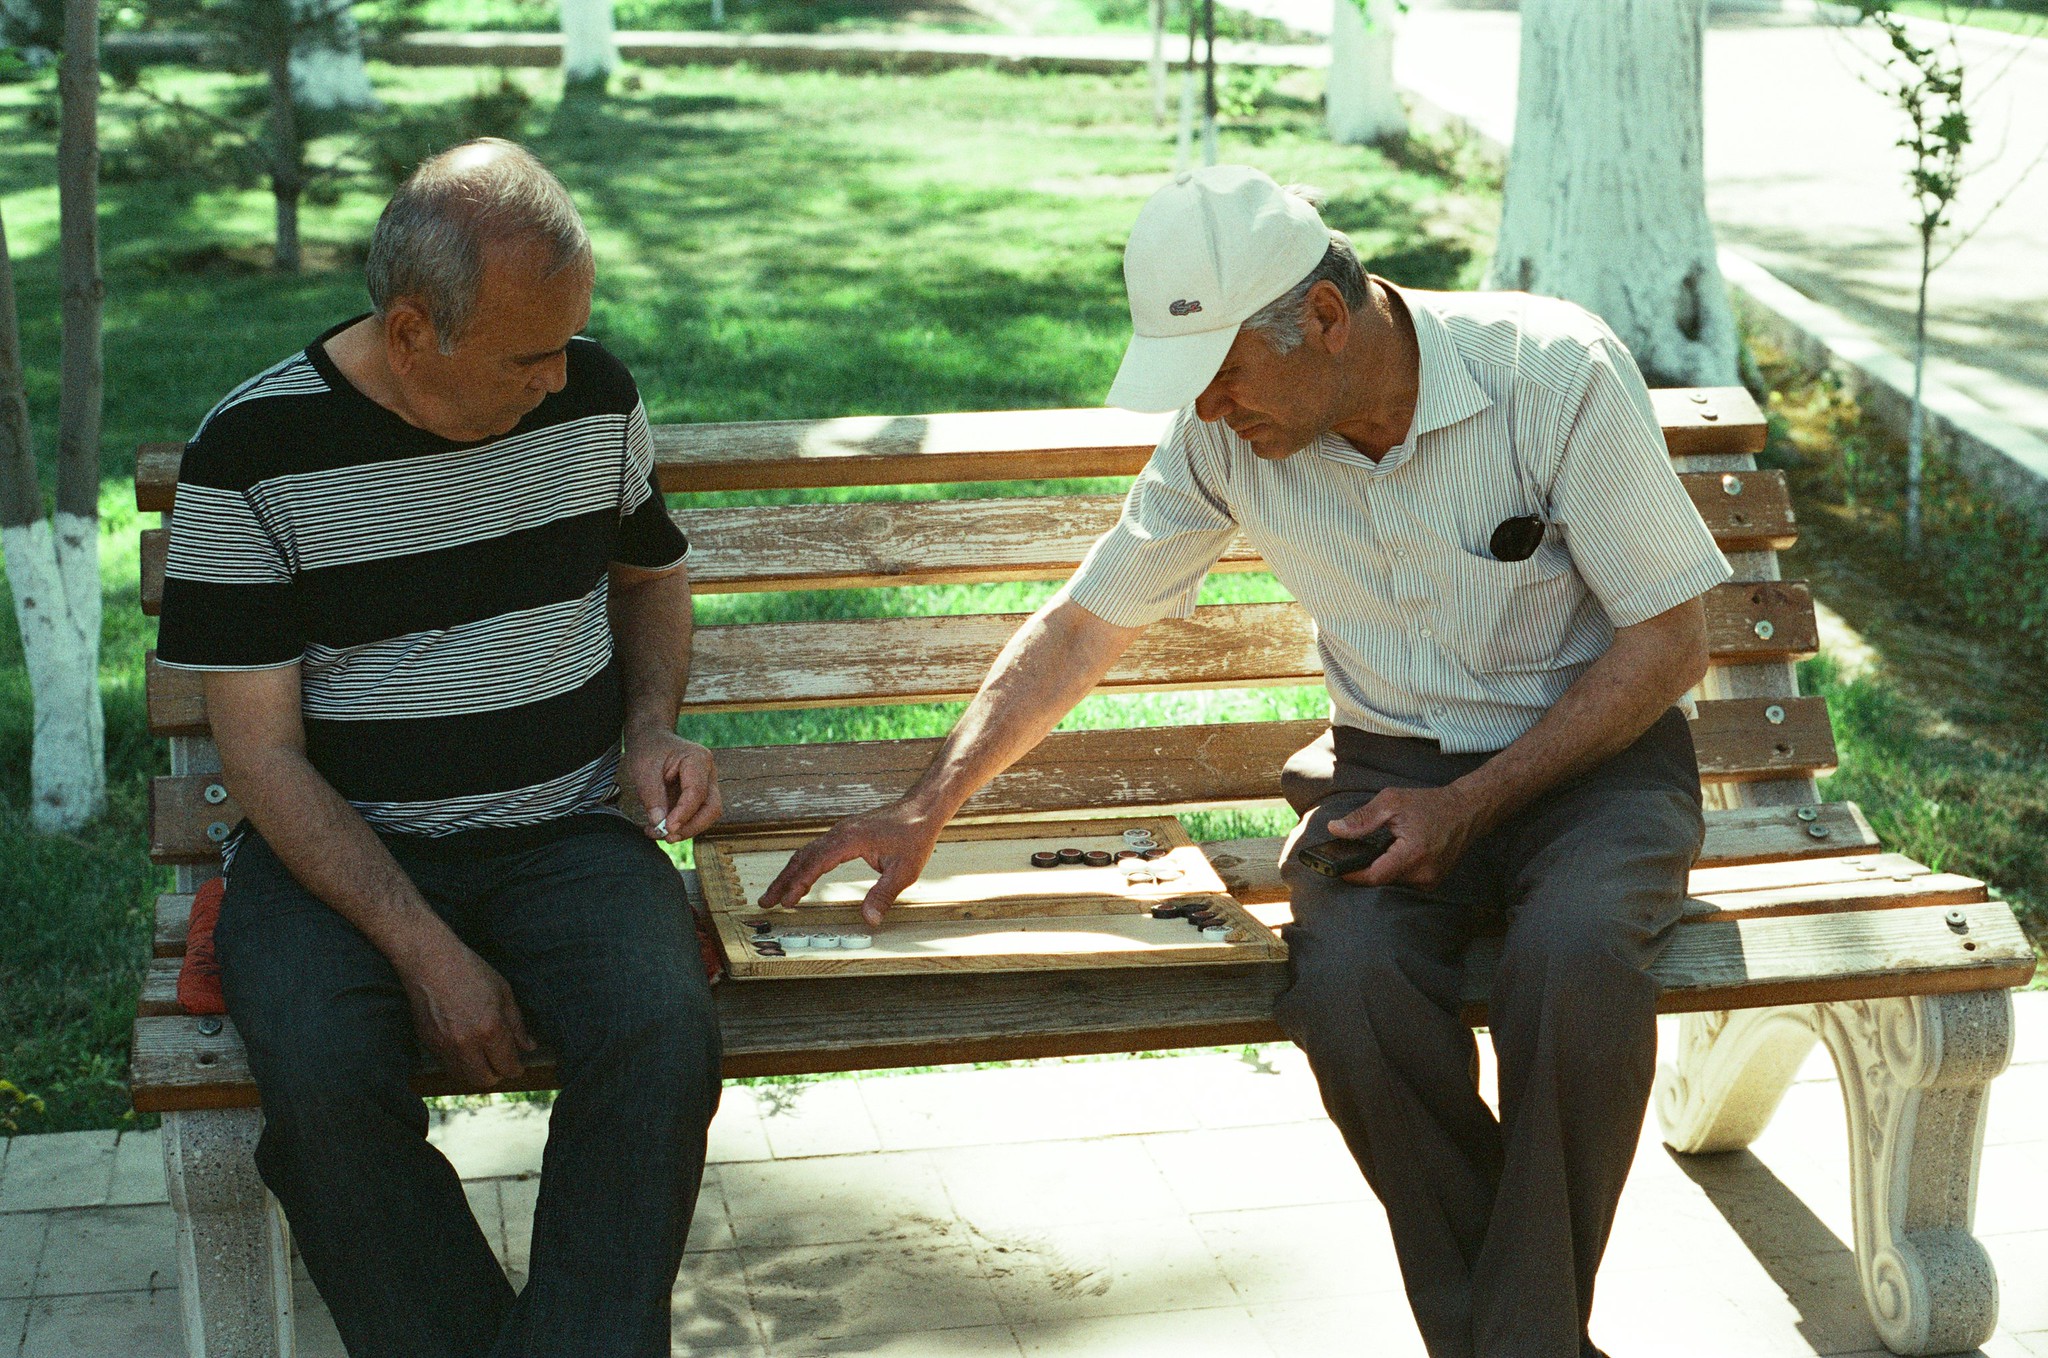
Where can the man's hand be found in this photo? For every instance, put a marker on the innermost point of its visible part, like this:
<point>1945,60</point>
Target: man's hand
<point>895,841</point>
<point>1431,825</point>
<point>676,782</point>
<point>465,1014</point>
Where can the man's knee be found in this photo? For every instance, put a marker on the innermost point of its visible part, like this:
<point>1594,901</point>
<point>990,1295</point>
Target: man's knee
<point>1354,966</point>
<point>664,1029</point>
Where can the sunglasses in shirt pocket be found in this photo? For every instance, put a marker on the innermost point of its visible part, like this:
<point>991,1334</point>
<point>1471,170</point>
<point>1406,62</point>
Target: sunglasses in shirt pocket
<point>1505,617</point>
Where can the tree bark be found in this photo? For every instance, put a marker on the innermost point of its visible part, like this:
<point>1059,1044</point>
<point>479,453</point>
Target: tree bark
<point>1362,106</point>
<point>287,163</point>
<point>1606,200</point>
<point>590,53</point>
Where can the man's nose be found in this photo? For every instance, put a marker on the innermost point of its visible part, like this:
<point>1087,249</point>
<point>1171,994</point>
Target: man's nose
<point>553,375</point>
<point>1211,405</point>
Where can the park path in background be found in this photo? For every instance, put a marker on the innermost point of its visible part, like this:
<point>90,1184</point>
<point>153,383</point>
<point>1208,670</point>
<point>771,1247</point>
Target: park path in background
<point>1803,177</point>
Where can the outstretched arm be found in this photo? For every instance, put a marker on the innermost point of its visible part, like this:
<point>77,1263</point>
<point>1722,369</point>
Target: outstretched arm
<point>1052,662</point>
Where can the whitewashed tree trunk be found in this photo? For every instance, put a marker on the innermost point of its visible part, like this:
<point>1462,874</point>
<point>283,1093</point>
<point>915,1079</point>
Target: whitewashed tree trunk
<point>1362,106</point>
<point>1606,202</point>
<point>330,73</point>
<point>590,51</point>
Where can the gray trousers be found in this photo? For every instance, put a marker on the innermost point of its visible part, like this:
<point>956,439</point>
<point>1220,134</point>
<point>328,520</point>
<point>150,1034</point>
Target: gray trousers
<point>1498,1223</point>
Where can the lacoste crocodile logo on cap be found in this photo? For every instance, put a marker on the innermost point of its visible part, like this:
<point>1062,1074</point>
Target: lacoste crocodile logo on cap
<point>1185,307</point>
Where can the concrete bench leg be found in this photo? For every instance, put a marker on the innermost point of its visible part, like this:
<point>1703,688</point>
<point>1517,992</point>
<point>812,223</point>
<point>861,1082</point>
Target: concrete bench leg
<point>234,1254</point>
<point>1915,1072</point>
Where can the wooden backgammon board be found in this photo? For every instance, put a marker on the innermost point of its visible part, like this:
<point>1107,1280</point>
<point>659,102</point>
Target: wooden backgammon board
<point>1142,895</point>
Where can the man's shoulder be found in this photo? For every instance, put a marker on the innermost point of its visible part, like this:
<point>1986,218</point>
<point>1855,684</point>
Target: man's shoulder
<point>597,383</point>
<point>251,432</point>
<point>1545,338</point>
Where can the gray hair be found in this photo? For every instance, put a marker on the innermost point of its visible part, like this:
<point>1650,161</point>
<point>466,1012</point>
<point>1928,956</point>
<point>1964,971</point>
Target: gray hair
<point>1283,321</point>
<point>436,231</point>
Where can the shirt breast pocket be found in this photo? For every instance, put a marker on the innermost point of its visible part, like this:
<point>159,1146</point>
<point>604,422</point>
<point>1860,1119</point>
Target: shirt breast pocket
<point>1504,617</point>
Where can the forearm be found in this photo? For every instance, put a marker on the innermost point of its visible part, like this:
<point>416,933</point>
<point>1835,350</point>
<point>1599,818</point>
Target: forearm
<point>335,855</point>
<point>1055,659</point>
<point>651,626</point>
<point>1645,671</point>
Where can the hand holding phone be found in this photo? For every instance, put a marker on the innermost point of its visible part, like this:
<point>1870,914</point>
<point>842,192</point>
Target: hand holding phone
<point>1339,857</point>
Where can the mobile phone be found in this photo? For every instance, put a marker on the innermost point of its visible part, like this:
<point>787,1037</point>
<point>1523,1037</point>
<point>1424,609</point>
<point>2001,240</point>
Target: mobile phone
<point>1337,857</point>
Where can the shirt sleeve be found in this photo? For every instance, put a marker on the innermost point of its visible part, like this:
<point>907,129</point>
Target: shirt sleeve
<point>230,602</point>
<point>1632,531</point>
<point>648,538</point>
<point>1174,526</point>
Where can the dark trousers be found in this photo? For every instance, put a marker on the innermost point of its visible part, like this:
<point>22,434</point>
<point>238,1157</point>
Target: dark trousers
<point>592,932</point>
<point>1499,1223</point>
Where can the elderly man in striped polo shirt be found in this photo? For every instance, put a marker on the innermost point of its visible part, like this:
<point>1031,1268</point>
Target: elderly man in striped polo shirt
<point>442,613</point>
<point>1470,495</point>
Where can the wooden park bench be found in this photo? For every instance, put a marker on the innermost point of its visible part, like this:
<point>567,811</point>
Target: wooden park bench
<point>1801,926</point>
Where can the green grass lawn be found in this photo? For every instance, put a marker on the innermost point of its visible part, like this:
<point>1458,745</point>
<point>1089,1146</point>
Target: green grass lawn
<point>769,246</point>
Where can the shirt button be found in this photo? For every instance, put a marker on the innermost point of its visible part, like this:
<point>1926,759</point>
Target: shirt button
<point>1426,632</point>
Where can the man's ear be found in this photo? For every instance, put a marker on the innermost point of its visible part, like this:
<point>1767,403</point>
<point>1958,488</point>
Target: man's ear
<point>409,335</point>
<point>1332,316</point>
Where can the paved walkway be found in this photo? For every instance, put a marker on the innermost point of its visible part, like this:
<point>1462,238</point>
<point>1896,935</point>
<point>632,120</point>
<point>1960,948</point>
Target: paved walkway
<point>1804,178</point>
<point>1197,1207</point>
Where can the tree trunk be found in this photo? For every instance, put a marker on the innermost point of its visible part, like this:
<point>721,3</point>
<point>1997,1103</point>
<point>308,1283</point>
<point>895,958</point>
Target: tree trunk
<point>287,163</point>
<point>53,564</point>
<point>1606,201</point>
<point>590,54</point>
<point>330,74</point>
<point>1362,106</point>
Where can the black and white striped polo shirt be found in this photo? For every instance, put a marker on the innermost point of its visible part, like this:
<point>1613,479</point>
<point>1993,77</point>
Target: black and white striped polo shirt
<point>446,601</point>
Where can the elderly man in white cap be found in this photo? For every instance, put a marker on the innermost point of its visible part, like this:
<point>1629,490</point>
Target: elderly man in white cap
<point>1469,493</point>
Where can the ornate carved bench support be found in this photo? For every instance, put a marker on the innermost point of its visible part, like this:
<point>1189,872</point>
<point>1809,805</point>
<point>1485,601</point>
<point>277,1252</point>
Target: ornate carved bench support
<point>1915,1072</point>
<point>234,1255</point>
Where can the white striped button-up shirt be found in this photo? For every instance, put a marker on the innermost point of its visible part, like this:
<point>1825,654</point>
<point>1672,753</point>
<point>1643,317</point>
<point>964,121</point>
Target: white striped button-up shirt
<point>1527,405</point>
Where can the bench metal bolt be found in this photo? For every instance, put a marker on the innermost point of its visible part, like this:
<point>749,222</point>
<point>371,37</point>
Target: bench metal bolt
<point>1958,921</point>
<point>1765,628</point>
<point>218,831</point>
<point>1817,831</point>
<point>1699,398</point>
<point>1775,715</point>
<point>215,794</point>
<point>1807,813</point>
<point>210,1026</point>
<point>1731,485</point>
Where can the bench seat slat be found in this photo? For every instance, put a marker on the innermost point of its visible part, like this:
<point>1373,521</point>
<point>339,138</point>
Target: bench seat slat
<point>751,667</point>
<point>778,786</point>
<point>1751,850</point>
<point>776,1028</point>
<point>881,543</point>
<point>1003,445</point>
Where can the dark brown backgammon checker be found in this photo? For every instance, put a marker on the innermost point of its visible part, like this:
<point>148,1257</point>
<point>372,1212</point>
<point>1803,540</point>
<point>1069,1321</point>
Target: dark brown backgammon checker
<point>982,904</point>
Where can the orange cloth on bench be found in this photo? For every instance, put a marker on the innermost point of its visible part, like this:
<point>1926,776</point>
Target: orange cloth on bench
<point>199,977</point>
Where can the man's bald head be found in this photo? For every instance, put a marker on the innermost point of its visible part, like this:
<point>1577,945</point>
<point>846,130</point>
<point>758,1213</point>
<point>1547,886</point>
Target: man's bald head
<point>440,228</point>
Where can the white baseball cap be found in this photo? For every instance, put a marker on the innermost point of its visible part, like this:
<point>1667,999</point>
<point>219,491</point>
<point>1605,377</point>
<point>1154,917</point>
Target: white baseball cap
<point>1206,252</point>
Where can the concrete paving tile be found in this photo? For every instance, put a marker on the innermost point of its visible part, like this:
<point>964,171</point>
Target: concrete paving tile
<point>2019,1106</point>
<point>826,1117</point>
<point>21,1250</point>
<point>710,1224</point>
<point>57,1169</point>
<point>1284,1166</point>
<point>1221,1333</point>
<point>1788,1209</point>
<point>2033,1343</point>
<point>13,1322</point>
<point>1108,1268</point>
<point>1275,1255</point>
<point>2030,1028</point>
<point>815,1292</point>
<point>1816,1302</point>
<point>2022,1264</point>
<point>138,1175</point>
<point>1681,1313</point>
<point>488,1207</point>
<point>710,1307</point>
<point>836,1200</point>
<point>497,1141</point>
<point>1376,1323</point>
<point>981,1341</point>
<point>112,1249</point>
<point>736,1132</point>
<point>1007,1188</point>
<point>1274,1085</point>
<point>2012,1189</point>
<point>124,1325</point>
<point>1025,1103</point>
<point>517,1198</point>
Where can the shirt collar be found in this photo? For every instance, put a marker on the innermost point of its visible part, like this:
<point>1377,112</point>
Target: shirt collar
<point>1448,392</point>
